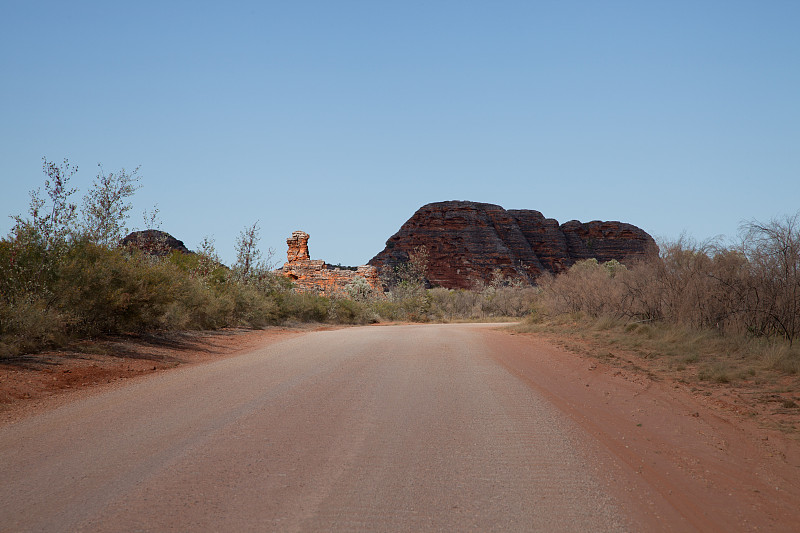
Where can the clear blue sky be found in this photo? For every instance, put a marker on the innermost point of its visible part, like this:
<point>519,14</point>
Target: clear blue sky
<point>341,118</point>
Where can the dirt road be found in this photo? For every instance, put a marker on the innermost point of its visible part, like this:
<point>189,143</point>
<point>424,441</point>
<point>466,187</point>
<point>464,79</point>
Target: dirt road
<point>397,428</point>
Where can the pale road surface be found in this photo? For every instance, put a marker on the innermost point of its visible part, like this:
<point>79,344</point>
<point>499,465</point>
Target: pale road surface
<point>396,428</point>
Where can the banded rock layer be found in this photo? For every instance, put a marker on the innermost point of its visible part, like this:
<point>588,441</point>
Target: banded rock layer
<point>467,242</point>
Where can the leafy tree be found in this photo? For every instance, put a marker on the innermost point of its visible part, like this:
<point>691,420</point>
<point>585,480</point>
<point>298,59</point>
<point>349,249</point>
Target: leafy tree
<point>209,265</point>
<point>248,256</point>
<point>250,266</point>
<point>106,206</point>
<point>52,224</point>
<point>37,243</point>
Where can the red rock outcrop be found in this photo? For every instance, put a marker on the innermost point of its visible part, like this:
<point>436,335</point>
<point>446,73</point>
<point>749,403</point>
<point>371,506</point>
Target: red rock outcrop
<point>468,241</point>
<point>298,247</point>
<point>314,275</point>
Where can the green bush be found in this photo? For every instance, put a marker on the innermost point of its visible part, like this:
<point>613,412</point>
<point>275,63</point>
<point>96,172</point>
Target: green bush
<point>342,311</point>
<point>27,266</point>
<point>111,291</point>
<point>387,309</point>
<point>29,326</point>
<point>197,306</point>
<point>252,307</point>
<point>302,306</point>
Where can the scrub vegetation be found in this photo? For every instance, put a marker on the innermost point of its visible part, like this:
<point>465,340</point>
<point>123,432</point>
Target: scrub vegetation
<point>64,276</point>
<point>720,313</point>
<point>724,313</point>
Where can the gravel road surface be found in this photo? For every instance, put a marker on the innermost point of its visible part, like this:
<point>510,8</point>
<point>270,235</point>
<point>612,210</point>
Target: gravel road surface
<point>396,428</point>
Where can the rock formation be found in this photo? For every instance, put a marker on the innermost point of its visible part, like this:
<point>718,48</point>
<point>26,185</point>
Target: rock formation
<point>155,242</point>
<point>467,242</point>
<point>298,247</point>
<point>314,275</point>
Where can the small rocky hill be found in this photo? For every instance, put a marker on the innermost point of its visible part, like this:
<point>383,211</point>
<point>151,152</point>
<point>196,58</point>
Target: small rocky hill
<point>155,242</point>
<point>467,241</point>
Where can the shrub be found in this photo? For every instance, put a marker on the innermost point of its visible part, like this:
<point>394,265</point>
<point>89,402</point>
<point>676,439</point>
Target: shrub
<point>29,325</point>
<point>252,307</point>
<point>587,287</point>
<point>342,311</point>
<point>359,289</point>
<point>750,289</point>
<point>773,250</point>
<point>302,306</point>
<point>111,291</point>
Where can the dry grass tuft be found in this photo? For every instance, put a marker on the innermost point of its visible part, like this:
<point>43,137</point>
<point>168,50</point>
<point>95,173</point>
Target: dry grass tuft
<point>698,355</point>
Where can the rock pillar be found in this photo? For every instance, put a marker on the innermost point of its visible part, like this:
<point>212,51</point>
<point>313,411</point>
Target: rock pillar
<point>298,247</point>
